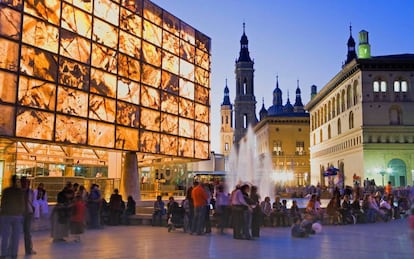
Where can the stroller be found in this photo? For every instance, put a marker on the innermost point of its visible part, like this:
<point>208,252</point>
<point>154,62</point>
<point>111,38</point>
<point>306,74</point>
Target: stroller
<point>176,219</point>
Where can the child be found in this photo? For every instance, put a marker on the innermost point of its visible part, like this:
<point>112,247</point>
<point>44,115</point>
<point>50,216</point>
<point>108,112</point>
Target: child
<point>297,229</point>
<point>77,220</point>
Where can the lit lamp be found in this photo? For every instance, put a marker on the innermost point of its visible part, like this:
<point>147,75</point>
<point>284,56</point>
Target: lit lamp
<point>383,171</point>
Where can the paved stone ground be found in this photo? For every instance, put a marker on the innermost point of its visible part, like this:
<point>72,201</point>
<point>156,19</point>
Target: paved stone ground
<point>380,240</point>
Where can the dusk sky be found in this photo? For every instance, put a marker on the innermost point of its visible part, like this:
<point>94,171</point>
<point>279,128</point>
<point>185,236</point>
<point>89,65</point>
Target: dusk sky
<point>296,40</point>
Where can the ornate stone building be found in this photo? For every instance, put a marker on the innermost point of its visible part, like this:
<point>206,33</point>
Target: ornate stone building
<point>361,120</point>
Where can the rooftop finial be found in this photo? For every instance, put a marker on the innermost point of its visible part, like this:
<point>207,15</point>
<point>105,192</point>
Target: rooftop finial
<point>350,29</point>
<point>244,26</point>
<point>297,83</point>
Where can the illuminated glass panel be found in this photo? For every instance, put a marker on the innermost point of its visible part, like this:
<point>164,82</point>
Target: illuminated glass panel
<point>76,21</point>
<point>186,89</point>
<point>128,91</point>
<point>131,22</point>
<point>202,113</point>
<point>150,97</point>
<point>186,147</point>
<point>187,33</point>
<point>82,4</point>
<point>152,33</point>
<point>169,123</point>
<point>71,101</point>
<point>186,108</point>
<point>129,67</point>
<point>7,120</point>
<point>169,145</point>
<point>202,42</point>
<point>149,142</point>
<point>38,63</point>
<point>129,45</point>
<point>151,75</point>
<point>10,21</point>
<point>171,43</point>
<point>101,108</point>
<point>107,10</point>
<point>169,103</point>
<point>8,85</point>
<point>150,119</point>
<point>9,52</point>
<point>127,114</point>
<point>74,47</point>
<point>126,138</point>
<point>383,86</point>
<point>103,83</point>
<point>133,5</point>
<point>201,131</point>
<point>202,77</point>
<point>186,70</point>
<point>169,82</point>
<point>201,149</point>
<point>34,124</point>
<point>70,129</point>
<point>186,128</point>
<point>397,86</point>
<point>73,74</point>
<point>187,51</point>
<point>202,59</point>
<point>152,12</point>
<point>37,94</point>
<point>171,23</point>
<point>170,62</point>
<point>105,33</point>
<point>202,95</point>
<point>48,10</point>
<point>151,54</point>
<point>104,58</point>
<point>13,3</point>
<point>101,134</point>
<point>404,86</point>
<point>375,86</point>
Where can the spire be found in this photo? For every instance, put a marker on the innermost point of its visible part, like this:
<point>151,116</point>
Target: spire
<point>244,47</point>
<point>351,55</point>
<point>288,106</point>
<point>226,99</point>
<point>277,94</point>
<point>298,101</point>
<point>263,111</point>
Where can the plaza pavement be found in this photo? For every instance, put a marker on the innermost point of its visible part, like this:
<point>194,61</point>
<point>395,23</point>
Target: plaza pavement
<point>379,240</point>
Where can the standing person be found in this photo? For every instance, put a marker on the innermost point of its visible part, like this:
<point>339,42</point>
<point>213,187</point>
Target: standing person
<point>266,208</point>
<point>159,211</point>
<point>188,211</point>
<point>28,215</point>
<point>61,215</point>
<point>239,206</point>
<point>388,188</point>
<point>12,209</point>
<point>77,219</point>
<point>200,197</point>
<point>222,204</point>
<point>115,207</point>
<point>257,212</point>
<point>94,201</point>
<point>40,201</point>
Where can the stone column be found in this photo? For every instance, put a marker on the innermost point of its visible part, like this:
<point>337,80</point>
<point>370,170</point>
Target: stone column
<point>129,177</point>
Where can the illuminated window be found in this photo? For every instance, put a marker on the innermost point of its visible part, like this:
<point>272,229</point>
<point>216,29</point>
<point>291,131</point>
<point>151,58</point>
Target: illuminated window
<point>226,146</point>
<point>300,148</point>
<point>277,148</point>
<point>245,121</point>
<point>400,86</point>
<point>404,86</point>
<point>383,86</point>
<point>375,86</point>
<point>244,87</point>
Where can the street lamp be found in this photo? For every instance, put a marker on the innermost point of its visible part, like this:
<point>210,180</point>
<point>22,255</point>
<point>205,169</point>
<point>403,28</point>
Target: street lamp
<point>383,171</point>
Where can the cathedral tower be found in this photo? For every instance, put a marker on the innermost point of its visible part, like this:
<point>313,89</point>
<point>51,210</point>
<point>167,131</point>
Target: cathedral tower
<point>245,101</point>
<point>226,129</point>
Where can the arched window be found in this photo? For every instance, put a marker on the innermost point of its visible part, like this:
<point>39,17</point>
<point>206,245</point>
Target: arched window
<point>351,120</point>
<point>355,93</point>
<point>338,104</point>
<point>339,126</point>
<point>329,110</point>
<point>245,121</point>
<point>375,86</point>
<point>383,86</point>
<point>333,107</point>
<point>349,97</point>
<point>320,136</point>
<point>395,115</point>
<point>245,86</point>
<point>329,131</point>
<point>400,86</point>
<point>343,101</point>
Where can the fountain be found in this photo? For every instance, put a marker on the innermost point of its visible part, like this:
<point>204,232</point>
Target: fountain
<point>248,166</point>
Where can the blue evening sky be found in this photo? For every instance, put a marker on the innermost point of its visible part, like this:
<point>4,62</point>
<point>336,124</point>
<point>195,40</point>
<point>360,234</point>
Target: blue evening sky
<point>296,40</point>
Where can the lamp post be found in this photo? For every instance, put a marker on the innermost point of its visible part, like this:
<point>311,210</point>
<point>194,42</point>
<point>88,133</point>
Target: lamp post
<point>383,171</point>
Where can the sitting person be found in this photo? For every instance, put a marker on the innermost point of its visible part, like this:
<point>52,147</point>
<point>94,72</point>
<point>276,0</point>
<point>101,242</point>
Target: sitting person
<point>346,211</point>
<point>297,229</point>
<point>171,206</point>
<point>266,208</point>
<point>357,211</point>
<point>295,211</point>
<point>130,210</point>
<point>386,207</point>
<point>40,201</point>
<point>159,211</point>
<point>332,211</point>
<point>307,223</point>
